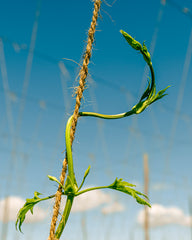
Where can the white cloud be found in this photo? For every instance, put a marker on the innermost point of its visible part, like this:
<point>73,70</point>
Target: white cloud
<point>13,204</point>
<point>160,215</point>
<point>89,200</point>
<point>111,208</point>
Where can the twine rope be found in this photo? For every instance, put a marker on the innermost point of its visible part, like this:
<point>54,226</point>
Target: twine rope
<point>79,93</point>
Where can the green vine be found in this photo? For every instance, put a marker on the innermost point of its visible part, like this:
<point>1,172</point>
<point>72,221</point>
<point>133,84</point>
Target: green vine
<point>70,188</point>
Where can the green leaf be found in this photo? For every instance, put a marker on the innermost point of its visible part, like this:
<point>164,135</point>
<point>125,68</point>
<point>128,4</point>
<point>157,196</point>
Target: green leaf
<point>28,206</point>
<point>152,97</point>
<point>160,94</point>
<point>85,175</point>
<point>125,187</point>
<point>54,179</point>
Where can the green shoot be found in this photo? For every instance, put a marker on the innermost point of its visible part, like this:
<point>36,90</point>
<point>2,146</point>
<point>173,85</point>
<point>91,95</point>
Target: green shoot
<point>70,188</point>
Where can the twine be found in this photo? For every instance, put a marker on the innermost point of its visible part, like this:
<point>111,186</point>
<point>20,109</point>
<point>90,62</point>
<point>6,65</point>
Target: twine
<point>79,93</point>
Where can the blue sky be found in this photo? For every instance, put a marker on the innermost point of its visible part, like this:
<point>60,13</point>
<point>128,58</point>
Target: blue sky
<point>36,88</point>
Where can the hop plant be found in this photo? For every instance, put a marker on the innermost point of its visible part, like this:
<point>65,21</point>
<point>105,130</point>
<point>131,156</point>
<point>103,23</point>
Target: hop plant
<point>70,188</point>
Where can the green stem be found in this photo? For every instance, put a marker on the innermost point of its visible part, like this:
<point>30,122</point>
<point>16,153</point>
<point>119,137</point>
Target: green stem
<point>49,197</point>
<point>70,197</point>
<point>152,76</point>
<point>98,115</point>
<point>90,189</point>
<point>68,150</point>
<point>65,216</point>
<point>67,210</point>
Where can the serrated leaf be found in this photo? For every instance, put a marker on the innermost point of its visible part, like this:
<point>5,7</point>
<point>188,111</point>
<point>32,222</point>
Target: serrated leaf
<point>125,187</point>
<point>28,206</point>
<point>119,182</point>
<point>36,194</point>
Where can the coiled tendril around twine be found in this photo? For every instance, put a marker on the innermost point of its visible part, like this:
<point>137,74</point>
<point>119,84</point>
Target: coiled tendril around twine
<point>79,93</point>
